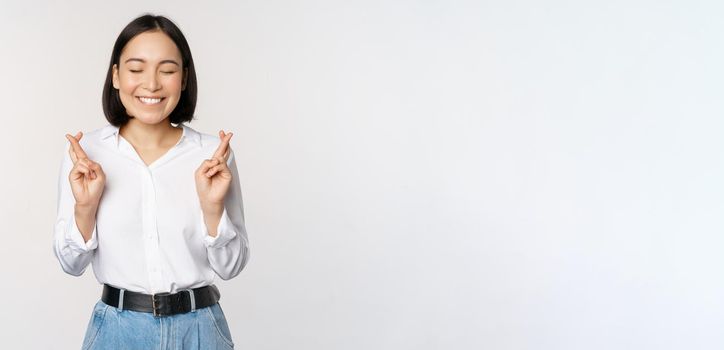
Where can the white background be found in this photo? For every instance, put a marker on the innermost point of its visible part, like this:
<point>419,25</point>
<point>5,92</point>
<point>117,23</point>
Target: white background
<point>416,174</point>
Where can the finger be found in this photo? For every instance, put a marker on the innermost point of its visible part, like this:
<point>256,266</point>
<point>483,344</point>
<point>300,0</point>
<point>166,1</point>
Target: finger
<point>223,145</point>
<point>78,171</point>
<point>207,164</point>
<point>71,149</point>
<point>216,169</point>
<point>76,145</point>
<point>73,157</point>
<point>227,153</point>
<point>87,162</point>
<point>77,136</point>
<point>91,165</point>
<point>97,169</point>
<point>220,167</point>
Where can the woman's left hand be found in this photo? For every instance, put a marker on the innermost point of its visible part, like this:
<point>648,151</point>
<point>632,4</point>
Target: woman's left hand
<point>213,177</point>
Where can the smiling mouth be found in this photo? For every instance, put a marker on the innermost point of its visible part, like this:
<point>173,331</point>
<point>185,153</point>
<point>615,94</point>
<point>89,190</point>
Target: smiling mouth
<point>150,100</point>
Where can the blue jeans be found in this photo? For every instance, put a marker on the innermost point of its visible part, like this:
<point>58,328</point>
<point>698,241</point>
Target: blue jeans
<point>110,328</point>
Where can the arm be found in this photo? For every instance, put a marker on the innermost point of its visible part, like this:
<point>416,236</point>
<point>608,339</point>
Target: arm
<point>73,249</point>
<point>224,230</point>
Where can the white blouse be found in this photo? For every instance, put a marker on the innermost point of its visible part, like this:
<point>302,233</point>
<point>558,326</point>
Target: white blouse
<point>150,234</point>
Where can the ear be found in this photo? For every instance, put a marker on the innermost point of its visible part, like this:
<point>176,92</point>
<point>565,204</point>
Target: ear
<point>186,76</point>
<point>115,77</point>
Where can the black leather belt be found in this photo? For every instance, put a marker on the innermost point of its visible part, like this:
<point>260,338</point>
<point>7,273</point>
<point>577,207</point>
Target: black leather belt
<point>161,304</point>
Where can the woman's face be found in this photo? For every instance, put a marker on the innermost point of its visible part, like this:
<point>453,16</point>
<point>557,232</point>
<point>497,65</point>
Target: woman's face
<point>149,77</point>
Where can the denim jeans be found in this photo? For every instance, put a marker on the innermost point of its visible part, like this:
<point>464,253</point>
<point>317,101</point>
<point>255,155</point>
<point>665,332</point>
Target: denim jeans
<point>111,328</point>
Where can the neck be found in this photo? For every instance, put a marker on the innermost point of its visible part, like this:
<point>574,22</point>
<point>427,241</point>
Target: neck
<point>150,135</point>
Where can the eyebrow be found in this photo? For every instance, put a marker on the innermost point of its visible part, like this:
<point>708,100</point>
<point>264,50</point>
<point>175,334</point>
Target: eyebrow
<point>144,61</point>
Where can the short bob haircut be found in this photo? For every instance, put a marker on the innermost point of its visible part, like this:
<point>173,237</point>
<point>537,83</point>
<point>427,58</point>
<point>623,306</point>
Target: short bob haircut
<point>113,108</point>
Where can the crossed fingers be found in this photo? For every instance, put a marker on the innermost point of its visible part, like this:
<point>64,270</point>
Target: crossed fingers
<point>223,150</point>
<point>221,155</point>
<point>75,150</point>
<point>78,155</point>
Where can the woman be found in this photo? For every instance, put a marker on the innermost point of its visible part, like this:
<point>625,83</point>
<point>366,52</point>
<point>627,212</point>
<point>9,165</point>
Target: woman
<point>156,208</point>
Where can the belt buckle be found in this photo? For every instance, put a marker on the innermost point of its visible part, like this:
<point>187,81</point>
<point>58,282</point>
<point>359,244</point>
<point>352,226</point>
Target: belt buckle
<point>154,299</point>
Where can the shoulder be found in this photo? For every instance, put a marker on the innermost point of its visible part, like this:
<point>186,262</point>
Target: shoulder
<point>208,143</point>
<point>90,142</point>
<point>205,140</point>
<point>101,132</point>
<point>93,136</point>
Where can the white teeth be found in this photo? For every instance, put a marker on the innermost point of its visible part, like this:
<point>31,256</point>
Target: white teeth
<point>149,101</point>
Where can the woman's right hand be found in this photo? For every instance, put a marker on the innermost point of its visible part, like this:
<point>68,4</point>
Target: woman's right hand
<point>87,178</point>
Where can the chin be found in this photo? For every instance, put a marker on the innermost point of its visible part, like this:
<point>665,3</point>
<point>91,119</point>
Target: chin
<point>149,119</point>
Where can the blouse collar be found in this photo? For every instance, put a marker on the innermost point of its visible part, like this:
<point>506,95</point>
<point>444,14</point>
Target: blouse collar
<point>188,134</point>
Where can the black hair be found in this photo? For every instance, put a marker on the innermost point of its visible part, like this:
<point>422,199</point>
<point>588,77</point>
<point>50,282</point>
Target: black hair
<point>113,108</point>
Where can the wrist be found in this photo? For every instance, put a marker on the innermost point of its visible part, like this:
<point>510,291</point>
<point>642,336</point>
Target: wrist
<point>86,208</point>
<point>212,208</point>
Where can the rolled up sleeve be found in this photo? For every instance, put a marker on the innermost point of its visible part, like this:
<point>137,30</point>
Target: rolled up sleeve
<point>71,250</point>
<point>228,251</point>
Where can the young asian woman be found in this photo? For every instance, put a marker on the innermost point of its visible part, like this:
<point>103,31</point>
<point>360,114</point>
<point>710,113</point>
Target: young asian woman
<point>154,207</point>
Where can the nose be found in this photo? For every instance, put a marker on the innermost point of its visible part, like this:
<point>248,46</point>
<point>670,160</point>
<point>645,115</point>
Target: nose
<point>151,81</point>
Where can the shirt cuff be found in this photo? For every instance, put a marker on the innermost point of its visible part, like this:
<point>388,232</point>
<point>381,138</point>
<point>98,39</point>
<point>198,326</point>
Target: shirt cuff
<point>76,241</point>
<point>224,233</point>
